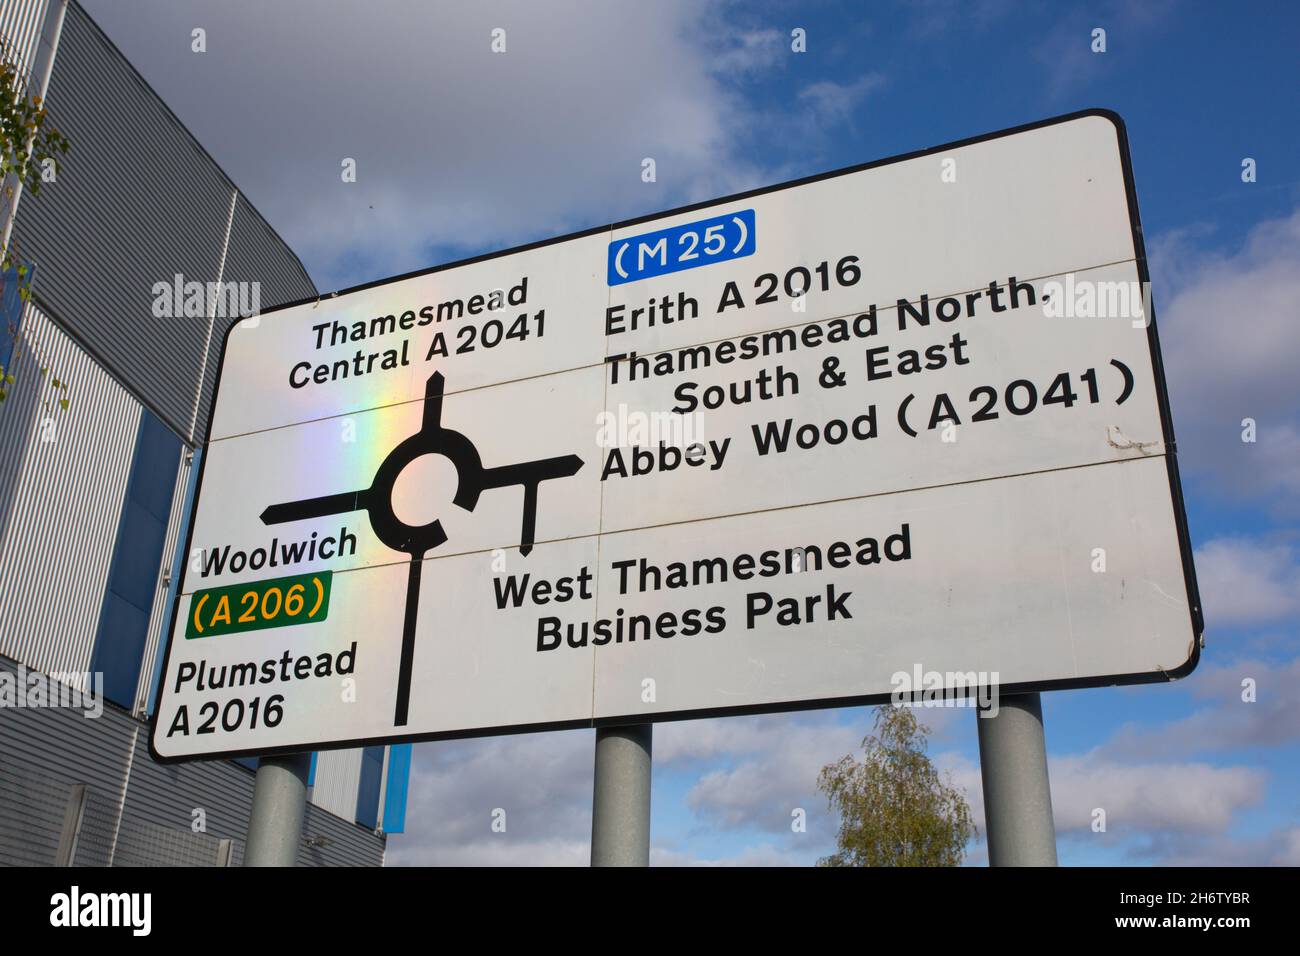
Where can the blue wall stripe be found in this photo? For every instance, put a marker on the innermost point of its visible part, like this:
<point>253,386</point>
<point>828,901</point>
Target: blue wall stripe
<point>12,304</point>
<point>137,556</point>
<point>399,779</point>
<point>372,772</point>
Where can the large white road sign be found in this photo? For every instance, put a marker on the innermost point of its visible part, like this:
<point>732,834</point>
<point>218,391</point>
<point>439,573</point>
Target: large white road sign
<point>761,454</point>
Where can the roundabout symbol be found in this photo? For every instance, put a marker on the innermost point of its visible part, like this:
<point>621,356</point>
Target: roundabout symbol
<point>472,479</point>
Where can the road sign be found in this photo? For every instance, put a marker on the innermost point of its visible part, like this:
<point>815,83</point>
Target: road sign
<point>897,428</point>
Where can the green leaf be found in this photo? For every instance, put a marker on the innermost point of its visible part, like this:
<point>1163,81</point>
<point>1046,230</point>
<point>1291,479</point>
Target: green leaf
<point>895,808</point>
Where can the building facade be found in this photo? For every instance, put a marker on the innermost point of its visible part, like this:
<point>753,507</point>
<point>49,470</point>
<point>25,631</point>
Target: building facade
<point>100,433</point>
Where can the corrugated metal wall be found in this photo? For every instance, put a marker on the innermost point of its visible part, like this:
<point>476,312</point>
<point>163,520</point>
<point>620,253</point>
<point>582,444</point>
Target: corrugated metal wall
<point>43,753</point>
<point>64,479</point>
<point>20,25</point>
<point>69,471</point>
<point>336,841</point>
<point>137,202</point>
<point>137,812</point>
<point>252,257</point>
<point>338,775</point>
<point>282,277</point>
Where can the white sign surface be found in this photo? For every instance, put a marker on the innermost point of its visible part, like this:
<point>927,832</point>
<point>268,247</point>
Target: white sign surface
<point>795,448</point>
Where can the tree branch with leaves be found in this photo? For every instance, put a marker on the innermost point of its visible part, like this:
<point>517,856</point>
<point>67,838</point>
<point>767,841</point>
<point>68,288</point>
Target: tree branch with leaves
<point>29,151</point>
<point>895,808</point>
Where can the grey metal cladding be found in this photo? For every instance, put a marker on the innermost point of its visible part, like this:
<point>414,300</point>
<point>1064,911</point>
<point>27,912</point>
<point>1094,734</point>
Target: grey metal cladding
<point>344,843</point>
<point>44,751</point>
<point>256,254</point>
<point>20,24</point>
<point>63,477</point>
<point>137,202</point>
<point>137,812</point>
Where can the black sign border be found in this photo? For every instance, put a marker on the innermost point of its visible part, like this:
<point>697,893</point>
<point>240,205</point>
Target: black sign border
<point>1166,420</point>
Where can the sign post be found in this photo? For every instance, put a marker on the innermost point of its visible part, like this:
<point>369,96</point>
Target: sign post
<point>620,807</point>
<point>279,804</point>
<point>887,433</point>
<point>1017,796</point>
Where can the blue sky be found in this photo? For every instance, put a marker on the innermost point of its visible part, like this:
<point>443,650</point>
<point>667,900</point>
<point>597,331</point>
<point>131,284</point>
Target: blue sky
<point>460,154</point>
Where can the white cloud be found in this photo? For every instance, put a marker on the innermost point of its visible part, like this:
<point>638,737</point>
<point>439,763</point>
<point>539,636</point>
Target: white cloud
<point>752,51</point>
<point>1066,52</point>
<point>1247,581</point>
<point>1280,847</point>
<point>830,103</point>
<point>773,771</point>
<point>754,771</point>
<point>1286,847</point>
<point>1144,797</point>
<point>499,851</point>
<point>680,742</point>
<point>770,766</point>
<point>1229,723</point>
<point>543,783</point>
<point>457,147</point>
<point>1157,809</point>
<point>764,854</point>
<point>1231,342</point>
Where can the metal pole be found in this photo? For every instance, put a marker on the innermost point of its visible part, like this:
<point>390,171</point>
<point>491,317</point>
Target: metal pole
<point>620,809</point>
<point>279,803</point>
<point>1017,798</point>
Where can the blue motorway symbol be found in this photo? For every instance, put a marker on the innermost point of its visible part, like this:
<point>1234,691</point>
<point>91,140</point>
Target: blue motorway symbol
<point>694,244</point>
